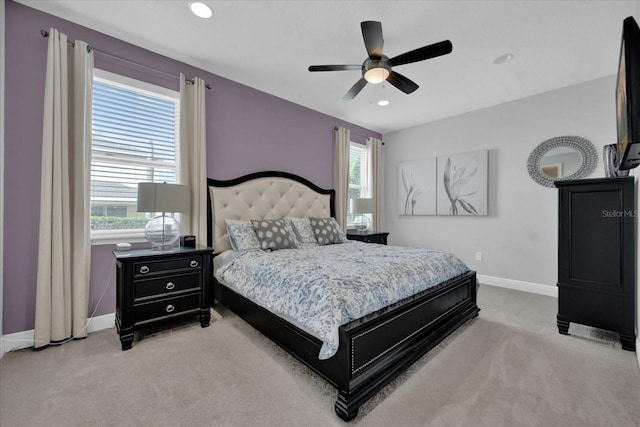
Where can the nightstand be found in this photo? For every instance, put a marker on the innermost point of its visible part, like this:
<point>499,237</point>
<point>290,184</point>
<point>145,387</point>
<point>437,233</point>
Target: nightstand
<point>154,286</point>
<point>368,237</point>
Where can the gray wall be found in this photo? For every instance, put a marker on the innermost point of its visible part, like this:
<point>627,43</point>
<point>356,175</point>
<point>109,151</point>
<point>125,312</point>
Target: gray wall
<point>518,238</point>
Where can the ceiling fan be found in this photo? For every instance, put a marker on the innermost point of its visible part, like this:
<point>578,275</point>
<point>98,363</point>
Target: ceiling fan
<point>378,67</point>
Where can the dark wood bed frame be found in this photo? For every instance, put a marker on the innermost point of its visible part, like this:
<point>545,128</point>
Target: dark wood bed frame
<point>373,349</point>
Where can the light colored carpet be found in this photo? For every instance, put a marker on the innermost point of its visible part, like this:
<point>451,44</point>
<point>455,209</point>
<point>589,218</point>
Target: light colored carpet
<point>509,367</point>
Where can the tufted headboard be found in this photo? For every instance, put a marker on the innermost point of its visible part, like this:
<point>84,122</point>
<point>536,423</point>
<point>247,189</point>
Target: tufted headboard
<point>260,195</point>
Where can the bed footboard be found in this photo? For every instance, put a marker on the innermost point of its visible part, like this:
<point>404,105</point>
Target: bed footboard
<point>374,349</point>
<point>382,345</point>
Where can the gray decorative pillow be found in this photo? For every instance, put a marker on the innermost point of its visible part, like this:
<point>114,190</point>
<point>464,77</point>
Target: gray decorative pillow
<point>302,229</point>
<point>343,236</point>
<point>242,235</point>
<point>326,230</point>
<point>273,234</point>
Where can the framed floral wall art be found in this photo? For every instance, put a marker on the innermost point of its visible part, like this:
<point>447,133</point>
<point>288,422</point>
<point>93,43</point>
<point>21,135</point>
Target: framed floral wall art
<point>417,191</point>
<point>462,183</point>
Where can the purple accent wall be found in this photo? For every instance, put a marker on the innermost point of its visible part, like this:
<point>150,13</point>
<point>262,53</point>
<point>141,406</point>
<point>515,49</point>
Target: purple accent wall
<point>247,131</point>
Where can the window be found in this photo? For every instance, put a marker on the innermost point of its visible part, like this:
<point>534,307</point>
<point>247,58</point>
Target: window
<point>134,139</point>
<point>359,175</point>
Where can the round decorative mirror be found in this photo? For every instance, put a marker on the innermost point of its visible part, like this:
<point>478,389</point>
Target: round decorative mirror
<point>560,158</point>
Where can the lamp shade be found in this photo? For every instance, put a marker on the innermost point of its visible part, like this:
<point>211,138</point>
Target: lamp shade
<point>363,206</point>
<point>163,197</point>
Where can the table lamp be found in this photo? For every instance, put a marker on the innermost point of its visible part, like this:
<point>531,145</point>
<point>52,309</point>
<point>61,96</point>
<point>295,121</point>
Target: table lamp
<point>162,231</point>
<point>359,207</point>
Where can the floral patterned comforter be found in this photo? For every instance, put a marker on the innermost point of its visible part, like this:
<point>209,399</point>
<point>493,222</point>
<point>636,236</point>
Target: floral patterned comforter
<point>319,288</point>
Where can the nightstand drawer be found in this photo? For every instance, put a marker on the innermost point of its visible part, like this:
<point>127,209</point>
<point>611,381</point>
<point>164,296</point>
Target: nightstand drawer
<point>378,238</point>
<point>369,237</point>
<point>142,269</point>
<point>165,285</point>
<point>156,310</point>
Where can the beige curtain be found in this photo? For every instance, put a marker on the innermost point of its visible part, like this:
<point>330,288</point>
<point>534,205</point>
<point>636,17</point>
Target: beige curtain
<point>341,174</point>
<point>374,148</point>
<point>193,157</point>
<point>64,250</point>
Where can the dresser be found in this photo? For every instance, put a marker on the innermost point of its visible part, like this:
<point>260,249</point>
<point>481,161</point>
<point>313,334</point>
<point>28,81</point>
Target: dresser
<point>368,237</point>
<point>596,255</point>
<point>155,286</point>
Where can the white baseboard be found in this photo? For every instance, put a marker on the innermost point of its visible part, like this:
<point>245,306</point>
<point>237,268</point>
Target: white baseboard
<point>24,339</point>
<point>17,340</point>
<point>518,285</point>
<point>535,288</point>
<point>98,323</point>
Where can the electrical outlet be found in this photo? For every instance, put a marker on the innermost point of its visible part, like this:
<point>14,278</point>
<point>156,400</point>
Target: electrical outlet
<point>478,256</point>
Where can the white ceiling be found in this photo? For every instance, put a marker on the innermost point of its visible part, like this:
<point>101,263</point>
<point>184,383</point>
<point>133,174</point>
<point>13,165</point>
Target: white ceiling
<point>268,45</point>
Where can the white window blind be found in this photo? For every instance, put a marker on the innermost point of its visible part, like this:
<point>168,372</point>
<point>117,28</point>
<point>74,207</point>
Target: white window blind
<point>134,139</point>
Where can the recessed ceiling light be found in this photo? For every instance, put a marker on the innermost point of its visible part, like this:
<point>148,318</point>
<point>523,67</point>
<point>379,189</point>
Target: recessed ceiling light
<point>200,9</point>
<point>503,59</point>
<point>383,102</point>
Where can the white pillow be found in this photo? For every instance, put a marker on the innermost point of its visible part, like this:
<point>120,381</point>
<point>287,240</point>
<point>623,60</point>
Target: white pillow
<point>242,235</point>
<point>302,230</point>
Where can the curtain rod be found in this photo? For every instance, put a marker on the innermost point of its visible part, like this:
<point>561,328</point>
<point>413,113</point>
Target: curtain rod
<point>353,133</point>
<point>45,33</point>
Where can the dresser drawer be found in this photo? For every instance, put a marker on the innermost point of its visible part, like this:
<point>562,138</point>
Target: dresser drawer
<point>141,269</point>
<point>168,284</point>
<point>155,310</point>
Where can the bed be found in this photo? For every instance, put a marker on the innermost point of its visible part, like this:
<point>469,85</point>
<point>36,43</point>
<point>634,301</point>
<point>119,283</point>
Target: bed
<point>370,350</point>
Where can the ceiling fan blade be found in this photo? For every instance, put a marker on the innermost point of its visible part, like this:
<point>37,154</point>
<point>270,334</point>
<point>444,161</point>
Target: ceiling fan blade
<point>401,82</point>
<point>422,53</point>
<point>372,35</point>
<point>334,67</point>
<point>355,89</point>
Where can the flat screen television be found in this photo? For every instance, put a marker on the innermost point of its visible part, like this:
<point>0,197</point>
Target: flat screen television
<point>628,96</point>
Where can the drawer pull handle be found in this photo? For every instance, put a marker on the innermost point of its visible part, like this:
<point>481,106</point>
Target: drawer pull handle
<point>170,308</point>
<point>170,286</point>
<point>144,269</point>
<point>193,263</point>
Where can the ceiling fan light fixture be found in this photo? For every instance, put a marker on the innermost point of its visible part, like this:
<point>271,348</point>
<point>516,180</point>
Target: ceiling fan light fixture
<point>376,68</point>
<point>383,102</point>
<point>200,9</point>
<point>376,75</point>
<point>376,71</point>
